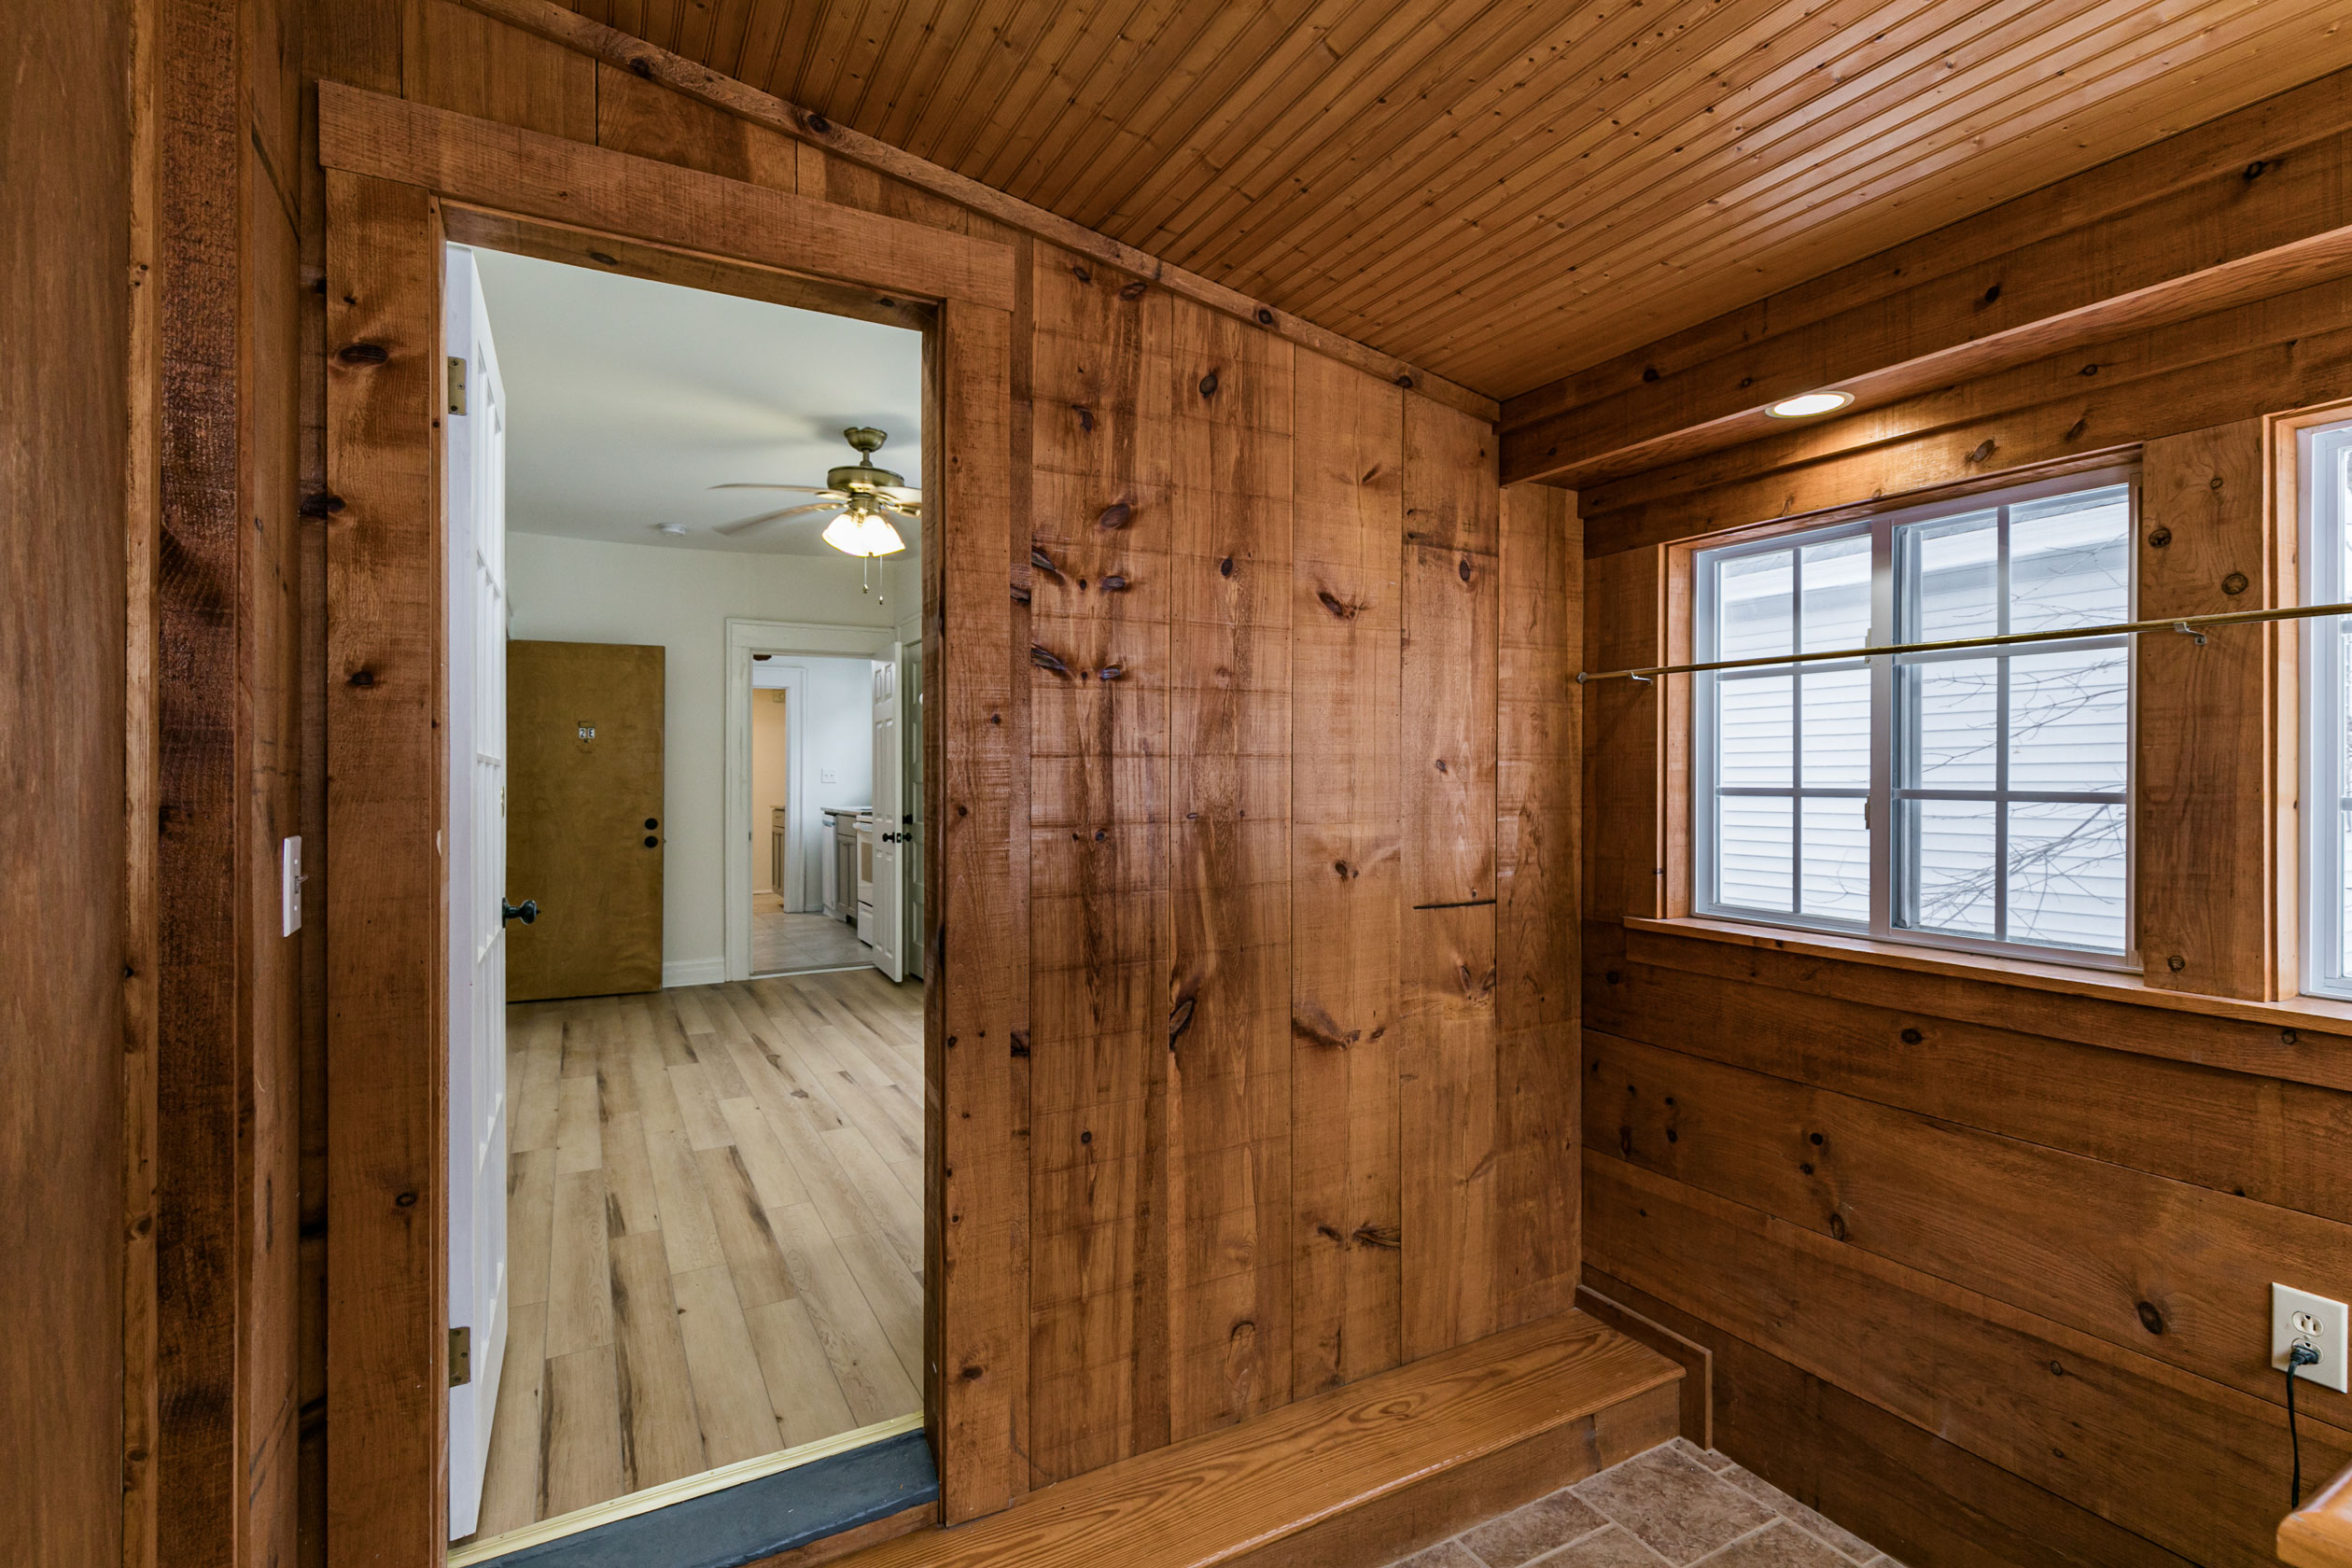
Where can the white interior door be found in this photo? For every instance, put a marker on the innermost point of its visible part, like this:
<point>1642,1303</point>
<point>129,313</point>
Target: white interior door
<point>476,469</point>
<point>888,936</point>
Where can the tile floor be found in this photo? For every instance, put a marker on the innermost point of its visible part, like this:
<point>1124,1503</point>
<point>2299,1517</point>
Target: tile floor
<point>1677,1506</point>
<point>795,944</point>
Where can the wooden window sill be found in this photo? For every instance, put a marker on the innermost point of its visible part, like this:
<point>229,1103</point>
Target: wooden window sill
<point>2298,1013</point>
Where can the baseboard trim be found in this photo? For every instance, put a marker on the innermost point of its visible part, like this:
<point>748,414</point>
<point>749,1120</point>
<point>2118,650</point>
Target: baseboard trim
<point>694,972</point>
<point>1697,1362</point>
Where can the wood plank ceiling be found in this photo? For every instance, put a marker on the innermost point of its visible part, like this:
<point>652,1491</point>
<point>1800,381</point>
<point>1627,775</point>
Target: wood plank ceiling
<point>1505,191</point>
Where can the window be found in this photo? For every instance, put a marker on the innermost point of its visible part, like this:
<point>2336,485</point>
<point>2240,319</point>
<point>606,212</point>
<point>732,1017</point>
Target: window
<point>1970,797</point>
<point>2326,484</point>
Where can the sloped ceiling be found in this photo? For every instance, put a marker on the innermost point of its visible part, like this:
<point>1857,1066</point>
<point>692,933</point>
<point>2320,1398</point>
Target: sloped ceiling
<point>1505,193</point>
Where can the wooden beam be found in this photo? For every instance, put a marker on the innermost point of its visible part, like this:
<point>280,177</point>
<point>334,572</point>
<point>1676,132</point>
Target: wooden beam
<point>483,163</point>
<point>2037,279</point>
<point>551,20</point>
<point>386,1088</point>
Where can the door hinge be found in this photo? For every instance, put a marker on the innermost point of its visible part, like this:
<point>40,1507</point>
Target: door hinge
<point>457,384</point>
<point>461,1356</point>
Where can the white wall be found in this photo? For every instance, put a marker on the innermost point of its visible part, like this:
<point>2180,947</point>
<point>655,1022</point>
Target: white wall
<point>836,722</point>
<point>566,590</point>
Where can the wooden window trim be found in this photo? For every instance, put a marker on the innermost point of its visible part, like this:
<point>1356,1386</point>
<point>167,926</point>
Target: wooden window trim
<point>2283,512</point>
<point>2107,984</point>
<point>399,178</point>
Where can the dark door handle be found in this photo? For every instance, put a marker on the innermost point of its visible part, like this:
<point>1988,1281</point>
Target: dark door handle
<point>527,913</point>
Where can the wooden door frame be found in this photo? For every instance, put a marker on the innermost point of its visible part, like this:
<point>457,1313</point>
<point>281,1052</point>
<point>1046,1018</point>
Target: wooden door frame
<point>401,179</point>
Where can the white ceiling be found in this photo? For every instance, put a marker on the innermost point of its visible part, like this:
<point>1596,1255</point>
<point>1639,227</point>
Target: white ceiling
<point>629,399</point>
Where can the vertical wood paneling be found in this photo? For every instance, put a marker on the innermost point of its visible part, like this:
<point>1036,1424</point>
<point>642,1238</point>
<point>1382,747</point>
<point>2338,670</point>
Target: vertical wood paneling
<point>66,329</point>
<point>1624,868</point>
<point>388,1120</point>
<point>1539,750</point>
<point>1100,597</point>
<point>980,960</point>
<point>1229,867</point>
<point>2207,725</point>
<point>1222,650</point>
<point>1345,835</point>
<point>1446,1062</point>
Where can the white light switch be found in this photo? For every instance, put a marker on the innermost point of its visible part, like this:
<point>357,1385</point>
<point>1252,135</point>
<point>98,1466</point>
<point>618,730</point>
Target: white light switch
<point>290,886</point>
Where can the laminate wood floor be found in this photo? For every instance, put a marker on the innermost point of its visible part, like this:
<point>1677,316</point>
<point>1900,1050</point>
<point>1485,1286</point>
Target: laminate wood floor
<point>715,1230</point>
<point>784,942</point>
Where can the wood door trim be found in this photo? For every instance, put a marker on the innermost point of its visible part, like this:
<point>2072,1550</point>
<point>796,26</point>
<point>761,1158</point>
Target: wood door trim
<point>481,162</point>
<point>386,986</point>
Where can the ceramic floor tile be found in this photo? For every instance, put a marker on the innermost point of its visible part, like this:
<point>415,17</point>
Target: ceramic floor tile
<point>1693,1452</point>
<point>1679,1509</point>
<point>1778,1544</point>
<point>1806,1519</point>
<point>1526,1533</point>
<point>1613,1547</point>
<point>1445,1554</point>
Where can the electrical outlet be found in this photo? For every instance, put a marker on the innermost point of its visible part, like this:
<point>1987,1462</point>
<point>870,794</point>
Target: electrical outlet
<point>2299,1317</point>
<point>827,777</point>
<point>289,887</point>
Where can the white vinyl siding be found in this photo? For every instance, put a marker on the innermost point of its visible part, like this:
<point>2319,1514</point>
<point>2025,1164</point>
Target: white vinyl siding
<point>2325,455</point>
<point>1972,797</point>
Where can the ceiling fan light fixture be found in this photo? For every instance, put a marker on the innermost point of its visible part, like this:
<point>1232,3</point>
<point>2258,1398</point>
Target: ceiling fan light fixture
<point>862,533</point>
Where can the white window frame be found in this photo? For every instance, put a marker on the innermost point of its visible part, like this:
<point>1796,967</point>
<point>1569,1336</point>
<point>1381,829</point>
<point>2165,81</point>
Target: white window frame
<point>1886,627</point>
<point>2322,528</point>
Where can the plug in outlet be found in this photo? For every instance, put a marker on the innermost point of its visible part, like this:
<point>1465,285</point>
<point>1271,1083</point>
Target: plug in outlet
<point>2299,1317</point>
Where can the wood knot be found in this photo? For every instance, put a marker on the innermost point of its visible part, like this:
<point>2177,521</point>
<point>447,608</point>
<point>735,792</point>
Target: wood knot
<point>605,257</point>
<point>1224,568</point>
<point>1115,515</point>
<point>1464,568</point>
<point>1337,606</point>
<point>1405,379</point>
<point>1993,295</point>
<point>1020,1043</point>
<point>360,678</point>
<point>2256,170</point>
<point>1983,449</point>
<point>1312,1024</point>
<point>1020,594</point>
<point>2150,1319</point>
<point>1387,1238</point>
<point>819,124</point>
<point>2159,537</point>
<point>1913,1037</point>
<point>324,504</point>
<point>1085,417</point>
<point>2233,585</point>
<point>1133,290</point>
<point>1179,1018</point>
<point>973,1374</point>
<point>1042,562</point>
<point>1208,385</point>
<point>1111,672</point>
<point>640,65</point>
<point>1838,1227</point>
<point>1649,373</point>
<point>1046,659</point>
<point>1078,271</point>
<point>1265,316</point>
<point>1114,583</point>
<point>364,354</point>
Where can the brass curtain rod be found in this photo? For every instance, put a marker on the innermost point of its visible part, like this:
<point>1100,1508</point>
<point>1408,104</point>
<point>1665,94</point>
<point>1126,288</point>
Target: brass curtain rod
<point>2190,625</point>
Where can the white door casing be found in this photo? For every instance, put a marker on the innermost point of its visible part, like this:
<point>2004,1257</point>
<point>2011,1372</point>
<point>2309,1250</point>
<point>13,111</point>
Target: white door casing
<point>889,821</point>
<point>475,470</point>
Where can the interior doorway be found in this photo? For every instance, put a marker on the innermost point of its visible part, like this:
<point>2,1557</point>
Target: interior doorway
<point>685,1187</point>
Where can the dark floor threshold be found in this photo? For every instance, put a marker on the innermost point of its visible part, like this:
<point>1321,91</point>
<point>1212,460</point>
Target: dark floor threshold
<point>757,1519</point>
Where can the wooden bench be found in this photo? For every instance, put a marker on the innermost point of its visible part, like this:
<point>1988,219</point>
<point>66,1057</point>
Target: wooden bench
<point>1353,1476</point>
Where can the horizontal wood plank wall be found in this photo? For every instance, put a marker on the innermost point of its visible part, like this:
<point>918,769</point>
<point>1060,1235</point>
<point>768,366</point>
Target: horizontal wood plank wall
<point>1983,1268</point>
<point>1231,1196</point>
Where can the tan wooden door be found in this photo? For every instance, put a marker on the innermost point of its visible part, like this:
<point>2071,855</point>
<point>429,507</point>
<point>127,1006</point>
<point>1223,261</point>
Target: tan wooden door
<point>584,827</point>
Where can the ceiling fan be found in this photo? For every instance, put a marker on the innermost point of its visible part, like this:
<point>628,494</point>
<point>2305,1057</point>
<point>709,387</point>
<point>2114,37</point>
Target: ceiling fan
<point>866,496</point>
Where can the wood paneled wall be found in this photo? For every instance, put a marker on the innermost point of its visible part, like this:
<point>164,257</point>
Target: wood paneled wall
<point>1293,807</point>
<point>65,334</point>
<point>1984,1254</point>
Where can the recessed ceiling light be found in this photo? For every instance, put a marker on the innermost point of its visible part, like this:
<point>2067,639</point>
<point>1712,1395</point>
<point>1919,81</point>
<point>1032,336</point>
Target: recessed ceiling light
<point>1808,404</point>
<point>671,527</point>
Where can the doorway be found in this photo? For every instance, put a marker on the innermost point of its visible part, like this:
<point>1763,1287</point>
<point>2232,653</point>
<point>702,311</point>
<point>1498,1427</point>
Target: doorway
<point>685,1193</point>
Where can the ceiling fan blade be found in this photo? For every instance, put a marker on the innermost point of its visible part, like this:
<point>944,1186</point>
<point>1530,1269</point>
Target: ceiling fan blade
<point>802,489</point>
<point>731,529</point>
<point>898,493</point>
<point>903,509</point>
